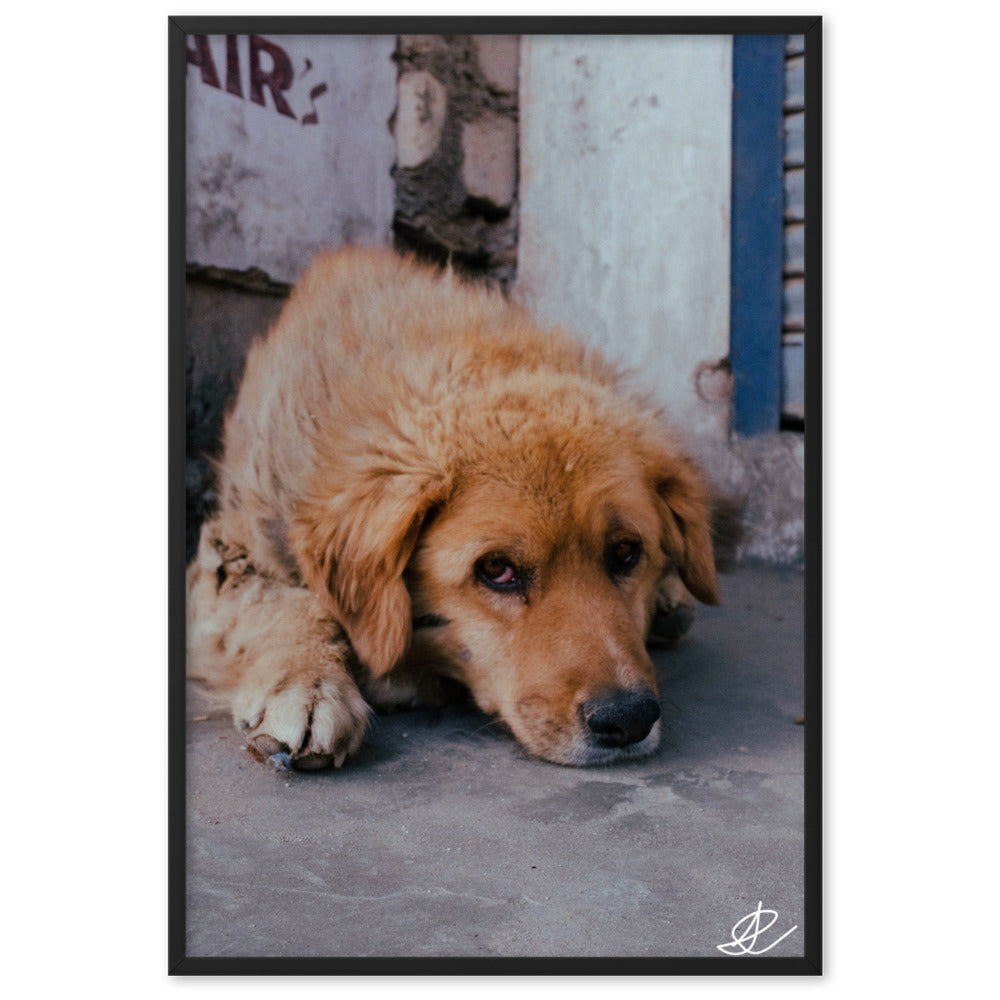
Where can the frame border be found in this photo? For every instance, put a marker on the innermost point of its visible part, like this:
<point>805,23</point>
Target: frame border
<point>179,962</point>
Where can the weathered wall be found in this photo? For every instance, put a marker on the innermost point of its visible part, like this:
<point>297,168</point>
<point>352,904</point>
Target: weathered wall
<point>456,151</point>
<point>288,147</point>
<point>624,220</point>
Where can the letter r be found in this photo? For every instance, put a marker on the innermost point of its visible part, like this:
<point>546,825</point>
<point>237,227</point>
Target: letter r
<point>279,77</point>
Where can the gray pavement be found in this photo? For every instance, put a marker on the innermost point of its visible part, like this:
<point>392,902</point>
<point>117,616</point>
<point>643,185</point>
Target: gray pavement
<point>444,839</point>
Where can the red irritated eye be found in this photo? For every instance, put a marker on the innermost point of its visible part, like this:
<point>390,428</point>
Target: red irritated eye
<point>498,573</point>
<point>621,557</point>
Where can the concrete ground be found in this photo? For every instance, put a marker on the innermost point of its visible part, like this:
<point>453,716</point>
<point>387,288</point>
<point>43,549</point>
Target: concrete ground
<point>443,839</point>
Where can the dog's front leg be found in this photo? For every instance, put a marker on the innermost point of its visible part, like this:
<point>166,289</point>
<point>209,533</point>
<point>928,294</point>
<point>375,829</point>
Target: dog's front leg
<point>285,663</point>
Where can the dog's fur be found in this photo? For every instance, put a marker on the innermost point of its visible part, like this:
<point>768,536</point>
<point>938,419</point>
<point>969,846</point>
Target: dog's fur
<point>421,487</point>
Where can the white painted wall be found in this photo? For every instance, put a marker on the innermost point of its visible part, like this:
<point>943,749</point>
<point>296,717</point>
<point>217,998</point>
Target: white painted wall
<point>625,199</point>
<point>265,189</point>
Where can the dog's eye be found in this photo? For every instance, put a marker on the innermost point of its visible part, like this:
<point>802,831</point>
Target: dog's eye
<point>622,556</point>
<point>498,572</point>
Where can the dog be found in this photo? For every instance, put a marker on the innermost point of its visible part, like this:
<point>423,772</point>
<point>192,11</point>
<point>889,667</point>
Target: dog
<point>422,491</point>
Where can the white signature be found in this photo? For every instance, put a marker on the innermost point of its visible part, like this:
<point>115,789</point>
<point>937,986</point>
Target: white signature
<point>740,937</point>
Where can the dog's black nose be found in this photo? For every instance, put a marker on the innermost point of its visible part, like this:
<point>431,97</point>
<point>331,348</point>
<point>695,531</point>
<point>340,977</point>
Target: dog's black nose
<point>622,717</point>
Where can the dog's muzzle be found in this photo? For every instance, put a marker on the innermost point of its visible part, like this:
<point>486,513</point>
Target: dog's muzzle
<point>622,717</point>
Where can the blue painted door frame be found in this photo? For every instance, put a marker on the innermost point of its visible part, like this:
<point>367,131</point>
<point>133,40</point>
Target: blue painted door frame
<point>757,238</point>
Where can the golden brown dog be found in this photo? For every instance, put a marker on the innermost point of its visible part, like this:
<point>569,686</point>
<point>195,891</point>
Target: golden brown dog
<point>420,486</point>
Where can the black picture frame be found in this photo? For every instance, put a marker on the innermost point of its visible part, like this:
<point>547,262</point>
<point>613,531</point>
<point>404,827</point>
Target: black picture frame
<point>179,962</point>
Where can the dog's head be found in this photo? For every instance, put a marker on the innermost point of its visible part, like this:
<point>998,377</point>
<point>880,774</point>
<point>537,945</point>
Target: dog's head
<point>524,566</point>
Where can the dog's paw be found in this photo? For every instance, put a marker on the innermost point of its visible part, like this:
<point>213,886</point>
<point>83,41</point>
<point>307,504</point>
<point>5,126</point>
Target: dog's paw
<point>674,614</point>
<point>302,722</point>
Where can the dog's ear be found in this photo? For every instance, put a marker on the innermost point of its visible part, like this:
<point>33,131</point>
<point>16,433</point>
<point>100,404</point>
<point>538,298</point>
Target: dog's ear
<point>686,525</point>
<point>353,547</point>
